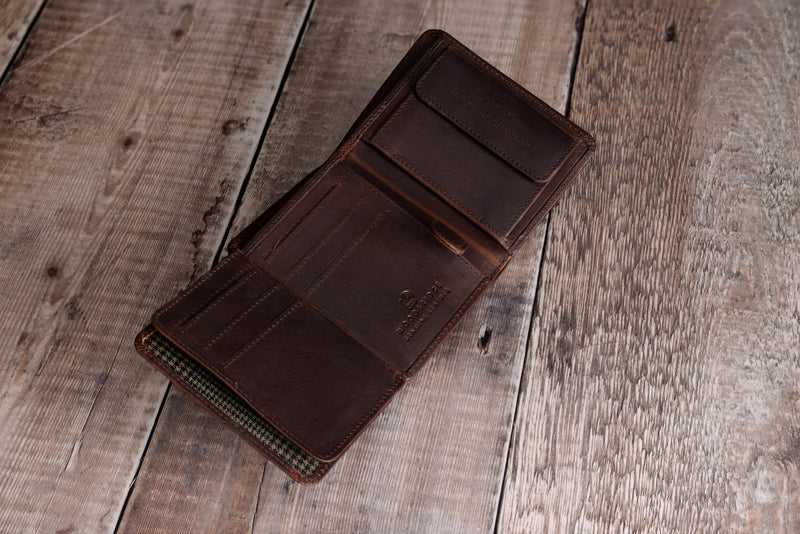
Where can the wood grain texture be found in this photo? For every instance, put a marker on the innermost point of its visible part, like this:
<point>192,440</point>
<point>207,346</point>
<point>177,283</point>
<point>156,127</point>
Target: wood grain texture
<point>125,131</point>
<point>434,460</point>
<point>16,16</point>
<point>661,390</point>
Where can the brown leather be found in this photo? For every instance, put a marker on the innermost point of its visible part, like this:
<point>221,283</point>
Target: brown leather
<point>332,299</point>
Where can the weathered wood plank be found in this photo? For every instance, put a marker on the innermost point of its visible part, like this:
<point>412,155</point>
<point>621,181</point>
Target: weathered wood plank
<point>434,460</point>
<point>125,131</point>
<point>661,390</point>
<point>16,16</point>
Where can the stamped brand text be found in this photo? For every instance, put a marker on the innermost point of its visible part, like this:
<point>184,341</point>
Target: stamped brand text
<point>419,310</point>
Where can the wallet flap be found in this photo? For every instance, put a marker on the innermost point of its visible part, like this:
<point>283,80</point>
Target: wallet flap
<point>227,405</point>
<point>493,151</point>
<point>502,119</point>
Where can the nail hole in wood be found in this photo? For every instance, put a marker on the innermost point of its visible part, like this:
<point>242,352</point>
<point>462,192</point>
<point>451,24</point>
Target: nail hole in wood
<point>669,34</point>
<point>484,339</point>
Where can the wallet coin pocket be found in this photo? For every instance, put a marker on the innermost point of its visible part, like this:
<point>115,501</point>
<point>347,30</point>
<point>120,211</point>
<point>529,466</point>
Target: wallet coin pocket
<point>477,143</point>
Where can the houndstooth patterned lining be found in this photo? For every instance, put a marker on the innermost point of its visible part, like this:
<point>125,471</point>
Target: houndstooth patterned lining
<point>231,405</point>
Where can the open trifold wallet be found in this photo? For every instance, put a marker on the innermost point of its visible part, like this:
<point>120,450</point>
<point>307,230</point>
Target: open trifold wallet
<point>333,298</point>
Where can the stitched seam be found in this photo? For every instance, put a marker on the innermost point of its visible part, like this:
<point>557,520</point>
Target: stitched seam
<point>323,240</point>
<point>239,316</point>
<point>214,300</point>
<point>308,215</point>
<point>394,205</point>
<point>333,268</point>
<point>239,353</point>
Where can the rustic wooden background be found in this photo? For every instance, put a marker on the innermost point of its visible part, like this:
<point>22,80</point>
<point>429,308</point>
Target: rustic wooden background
<point>636,369</point>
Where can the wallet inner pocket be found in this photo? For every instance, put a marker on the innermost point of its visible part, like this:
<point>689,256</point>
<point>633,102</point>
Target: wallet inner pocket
<point>314,382</point>
<point>299,229</point>
<point>476,142</point>
<point>226,404</point>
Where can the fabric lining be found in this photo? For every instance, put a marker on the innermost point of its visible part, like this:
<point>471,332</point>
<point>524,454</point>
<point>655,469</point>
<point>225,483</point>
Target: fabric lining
<point>231,406</point>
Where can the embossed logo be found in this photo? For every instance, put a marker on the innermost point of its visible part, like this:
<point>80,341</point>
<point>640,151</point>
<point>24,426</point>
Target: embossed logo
<point>408,299</point>
<point>420,309</point>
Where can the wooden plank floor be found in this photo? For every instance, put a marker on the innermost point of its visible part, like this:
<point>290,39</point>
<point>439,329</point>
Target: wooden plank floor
<point>636,368</point>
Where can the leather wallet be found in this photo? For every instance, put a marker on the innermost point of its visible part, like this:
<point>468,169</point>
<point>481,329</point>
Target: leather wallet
<point>332,299</point>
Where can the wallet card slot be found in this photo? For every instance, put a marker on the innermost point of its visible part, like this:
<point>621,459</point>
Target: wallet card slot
<point>214,299</point>
<point>260,333</point>
<point>288,221</point>
<point>317,267</point>
<point>192,303</point>
<point>297,268</point>
<point>256,315</point>
<point>289,241</point>
<point>226,304</point>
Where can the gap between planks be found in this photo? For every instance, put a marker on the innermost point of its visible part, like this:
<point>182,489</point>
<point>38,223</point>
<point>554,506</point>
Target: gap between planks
<point>222,244</point>
<point>580,23</point>
<point>12,59</point>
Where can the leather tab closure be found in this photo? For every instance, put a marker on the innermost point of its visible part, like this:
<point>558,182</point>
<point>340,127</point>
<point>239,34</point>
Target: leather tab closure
<point>448,238</point>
